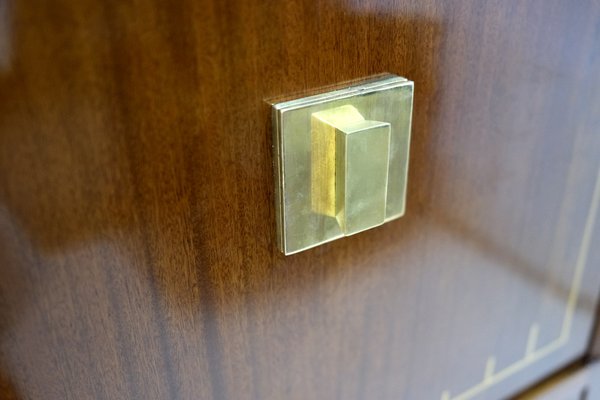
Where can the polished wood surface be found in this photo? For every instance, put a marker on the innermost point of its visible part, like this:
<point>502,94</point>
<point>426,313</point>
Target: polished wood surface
<point>137,231</point>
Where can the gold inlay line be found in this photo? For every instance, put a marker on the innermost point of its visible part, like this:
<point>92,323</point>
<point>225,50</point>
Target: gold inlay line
<point>536,355</point>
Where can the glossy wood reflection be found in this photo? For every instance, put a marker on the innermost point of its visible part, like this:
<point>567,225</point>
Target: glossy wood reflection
<point>137,244</point>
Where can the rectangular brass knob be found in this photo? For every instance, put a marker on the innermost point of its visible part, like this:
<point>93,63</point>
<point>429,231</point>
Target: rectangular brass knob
<point>349,168</point>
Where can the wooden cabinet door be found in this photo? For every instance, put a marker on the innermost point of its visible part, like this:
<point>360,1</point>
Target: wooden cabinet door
<point>137,229</point>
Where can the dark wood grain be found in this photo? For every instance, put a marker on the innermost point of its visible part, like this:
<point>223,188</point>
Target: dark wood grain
<point>137,244</point>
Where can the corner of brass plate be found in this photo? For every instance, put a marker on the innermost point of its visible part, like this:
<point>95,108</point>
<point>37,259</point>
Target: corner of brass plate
<point>341,161</point>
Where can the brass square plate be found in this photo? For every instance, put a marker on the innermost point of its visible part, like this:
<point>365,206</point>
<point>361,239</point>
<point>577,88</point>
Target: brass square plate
<point>387,99</point>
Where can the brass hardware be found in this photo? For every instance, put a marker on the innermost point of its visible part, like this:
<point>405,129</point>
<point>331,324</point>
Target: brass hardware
<point>341,161</point>
<point>349,166</point>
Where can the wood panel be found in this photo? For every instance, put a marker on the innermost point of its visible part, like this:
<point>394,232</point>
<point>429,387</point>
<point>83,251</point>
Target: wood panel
<point>137,244</point>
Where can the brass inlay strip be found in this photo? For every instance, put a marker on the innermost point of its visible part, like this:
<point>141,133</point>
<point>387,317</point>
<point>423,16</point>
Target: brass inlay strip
<point>532,355</point>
